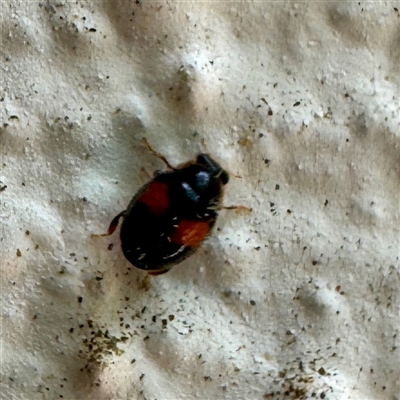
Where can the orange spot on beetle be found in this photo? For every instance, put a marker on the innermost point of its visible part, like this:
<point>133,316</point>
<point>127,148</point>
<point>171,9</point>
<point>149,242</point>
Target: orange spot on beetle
<point>156,198</point>
<point>190,233</point>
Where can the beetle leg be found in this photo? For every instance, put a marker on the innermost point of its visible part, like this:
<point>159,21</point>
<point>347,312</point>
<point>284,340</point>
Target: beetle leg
<point>158,272</point>
<point>243,208</point>
<point>114,224</point>
<point>112,227</point>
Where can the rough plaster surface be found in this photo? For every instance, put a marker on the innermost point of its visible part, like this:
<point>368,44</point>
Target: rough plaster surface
<point>298,299</point>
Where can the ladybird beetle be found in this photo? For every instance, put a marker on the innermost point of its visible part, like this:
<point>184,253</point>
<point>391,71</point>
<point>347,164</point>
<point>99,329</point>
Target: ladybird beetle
<point>171,215</point>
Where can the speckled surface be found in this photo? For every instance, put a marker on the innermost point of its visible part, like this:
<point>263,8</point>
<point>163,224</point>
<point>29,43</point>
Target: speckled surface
<point>298,299</point>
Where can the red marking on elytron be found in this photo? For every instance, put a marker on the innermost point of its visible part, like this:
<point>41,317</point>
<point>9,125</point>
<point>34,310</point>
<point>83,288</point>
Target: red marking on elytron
<point>156,198</point>
<point>190,233</point>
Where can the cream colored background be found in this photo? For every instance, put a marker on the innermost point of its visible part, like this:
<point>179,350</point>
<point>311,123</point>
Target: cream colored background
<point>299,298</point>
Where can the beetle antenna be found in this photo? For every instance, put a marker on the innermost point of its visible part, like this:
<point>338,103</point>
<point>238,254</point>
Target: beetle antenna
<point>158,155</point>
<point>205,150</point>
<point>203,146</point>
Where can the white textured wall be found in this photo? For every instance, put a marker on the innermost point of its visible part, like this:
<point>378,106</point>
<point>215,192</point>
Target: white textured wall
<point>300,296</point>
